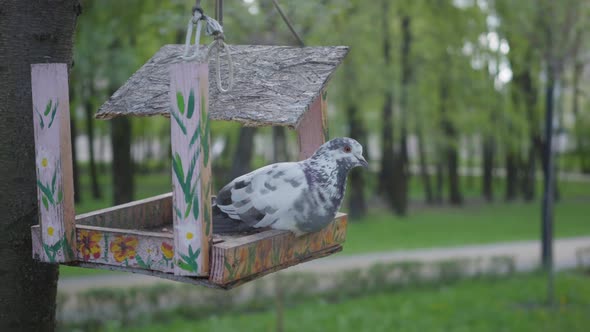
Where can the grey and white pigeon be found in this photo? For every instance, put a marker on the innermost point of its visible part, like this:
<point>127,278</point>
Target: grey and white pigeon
<point>300,197</point>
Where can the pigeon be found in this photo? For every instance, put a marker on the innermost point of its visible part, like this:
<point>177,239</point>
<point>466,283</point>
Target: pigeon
<point>300,197</point>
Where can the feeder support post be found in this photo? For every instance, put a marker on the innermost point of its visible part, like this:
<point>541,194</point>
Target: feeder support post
<point>312,130</point>
<point>53,150</point>
<point>191,167</point>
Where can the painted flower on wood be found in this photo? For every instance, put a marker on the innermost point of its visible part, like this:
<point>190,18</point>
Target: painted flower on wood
<point>124,248</point>
<point>167,250</point>
<point>89,244</point>
<point>47,176</point>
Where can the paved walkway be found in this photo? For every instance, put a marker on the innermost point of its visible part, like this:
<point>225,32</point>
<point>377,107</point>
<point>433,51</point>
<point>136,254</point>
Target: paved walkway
<point>525,253</point>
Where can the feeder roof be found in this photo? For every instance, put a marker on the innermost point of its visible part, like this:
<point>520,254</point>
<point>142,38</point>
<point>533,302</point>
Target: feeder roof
<point>273,85</point>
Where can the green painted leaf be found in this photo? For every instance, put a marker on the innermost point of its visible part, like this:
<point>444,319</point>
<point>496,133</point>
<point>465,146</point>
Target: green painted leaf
<point>205,133</point>
<point>180,102</point>
<point>197,253</point>
<point>49,253</point>
<point>178,171</point>
<point>228,266</point>
<point>178,121</point>
<point>178,213</point>
<point>185,266</point>
<point>187,211</point>
<point>53,114</point>
<point>207,220</point>
<point>47,108</point>
<point>196,207</point>
<point>53,180</point>
<point>46,192</point>
<point>60,196</point>
<point>191,104</point>
<point>141,262</point>
<point>45,203</point>
<point>196,135</point>
<point>189,177</point>
<point>41,122</point>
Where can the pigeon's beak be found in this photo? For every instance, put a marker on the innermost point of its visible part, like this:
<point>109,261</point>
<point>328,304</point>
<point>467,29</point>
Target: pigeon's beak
<point>363,162</point>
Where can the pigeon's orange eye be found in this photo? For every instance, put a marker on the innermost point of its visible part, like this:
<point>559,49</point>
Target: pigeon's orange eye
<point>347,149</point>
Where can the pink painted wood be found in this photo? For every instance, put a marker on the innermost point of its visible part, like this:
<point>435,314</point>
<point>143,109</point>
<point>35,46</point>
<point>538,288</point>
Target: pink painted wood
<point>312,131</point>
<point>191,167</point>
<point>55,188</point>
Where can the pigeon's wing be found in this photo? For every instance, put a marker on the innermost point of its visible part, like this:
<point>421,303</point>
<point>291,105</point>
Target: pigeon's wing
<point>264,196</point>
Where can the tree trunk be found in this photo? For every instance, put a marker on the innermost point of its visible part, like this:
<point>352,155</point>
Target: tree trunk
<point>424,175</point>
<point>96,194</point>
<point>243,153</point>
<point>455,197</point>
<point>488,169</point>
<point>511,176</point>
<point>357,203</point>
<point>400,158</point>
<point>30,32</point>
<point>438,194</point>
<point>122,166</point>
<point>386,178</point>
<point>279,144</point>
<point>528,175</point>
<point>451,153</point>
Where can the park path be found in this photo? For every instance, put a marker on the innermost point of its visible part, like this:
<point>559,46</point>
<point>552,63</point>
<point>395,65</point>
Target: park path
<point>526,255</point>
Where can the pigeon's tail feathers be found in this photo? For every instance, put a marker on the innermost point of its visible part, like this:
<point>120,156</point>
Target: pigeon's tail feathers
<point>224,224</point>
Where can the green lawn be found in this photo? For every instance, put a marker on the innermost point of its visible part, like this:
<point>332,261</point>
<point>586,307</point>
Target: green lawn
<point>510,304</point>
<point>475,224</point>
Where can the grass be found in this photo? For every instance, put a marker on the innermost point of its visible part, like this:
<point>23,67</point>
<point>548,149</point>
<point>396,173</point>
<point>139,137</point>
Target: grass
<point>430,227</point>
<point>511,304</point>
<point>475,224</point>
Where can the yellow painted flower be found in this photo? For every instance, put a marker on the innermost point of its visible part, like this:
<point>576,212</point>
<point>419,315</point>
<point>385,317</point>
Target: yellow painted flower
<point>44,162</point>
<point>50,231</point>
<point>89,244</point>
<point>124,247</point>
<point>189,235</point>
<point>167,250</point>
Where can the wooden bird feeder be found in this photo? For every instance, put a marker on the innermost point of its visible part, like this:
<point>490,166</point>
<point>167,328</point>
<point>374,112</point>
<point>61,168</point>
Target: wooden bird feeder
<point>171,235</point>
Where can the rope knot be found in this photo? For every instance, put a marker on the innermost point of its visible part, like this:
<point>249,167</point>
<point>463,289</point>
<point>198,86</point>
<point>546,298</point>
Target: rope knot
<point>214,29</point>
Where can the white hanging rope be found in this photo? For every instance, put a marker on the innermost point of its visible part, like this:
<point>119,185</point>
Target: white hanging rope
<point>212,28</point>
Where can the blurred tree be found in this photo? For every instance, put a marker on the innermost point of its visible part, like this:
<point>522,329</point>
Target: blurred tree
<point>386,175</point>
<point>400,156</point>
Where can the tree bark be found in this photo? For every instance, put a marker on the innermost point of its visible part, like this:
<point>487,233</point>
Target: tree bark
<point>438,194</point>
<point>400,158</point>
<point>96,193</point>
<point>279,144</point>
<point>30,32</point>
<point>357,204</point>
<point>386,178</point>
<point>511,176</point>
<point>528,174</point>
<point>122,166</point>
<point>243,153</point>
<point>526,95</point>
<point>488,169</point>
<point>451,153</point>
<point>424,175</point>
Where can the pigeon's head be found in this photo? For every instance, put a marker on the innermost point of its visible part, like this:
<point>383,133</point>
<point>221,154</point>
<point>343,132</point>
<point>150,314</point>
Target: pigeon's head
<point>344,151</point>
